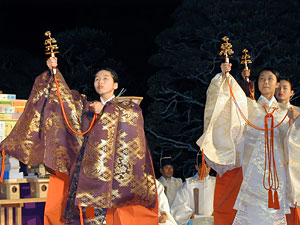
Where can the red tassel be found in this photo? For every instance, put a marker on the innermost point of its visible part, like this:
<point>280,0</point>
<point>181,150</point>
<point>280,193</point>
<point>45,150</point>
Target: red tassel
<point>203,167</point>
<point>270,200</point>
<point>80,214</point>
<point>276,200</point>
<point>90,212</point>
<point>2,165</point>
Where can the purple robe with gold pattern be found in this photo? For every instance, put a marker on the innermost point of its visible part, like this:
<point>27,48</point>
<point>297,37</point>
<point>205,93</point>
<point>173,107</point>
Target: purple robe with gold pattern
<point>115,168</point>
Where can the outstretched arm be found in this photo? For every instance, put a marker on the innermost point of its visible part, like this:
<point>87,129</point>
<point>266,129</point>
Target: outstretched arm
<point>223,124</point>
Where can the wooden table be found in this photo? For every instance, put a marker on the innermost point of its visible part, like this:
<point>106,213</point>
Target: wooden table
<point>10,204</point>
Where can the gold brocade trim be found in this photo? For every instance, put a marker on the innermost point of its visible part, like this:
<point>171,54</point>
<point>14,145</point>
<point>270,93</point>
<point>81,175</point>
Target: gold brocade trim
<point>116,194</point>
<point>126,157</point>
<point>34,124</point>
<point>144,188</point>
<point>26,130</point>
<point>55,123</point>
<point>44,92</point>
<point>39,90</point>
<point>94,162</point>
<point>129,116</point>
<point>29,147</point>
<point>62,159</point>
<point>103,201</point>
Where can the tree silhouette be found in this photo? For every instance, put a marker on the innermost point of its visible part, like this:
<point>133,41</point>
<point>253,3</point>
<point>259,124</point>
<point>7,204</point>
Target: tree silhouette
<point>82,52</point>
<point>188,59</point>
<point>18,69</point>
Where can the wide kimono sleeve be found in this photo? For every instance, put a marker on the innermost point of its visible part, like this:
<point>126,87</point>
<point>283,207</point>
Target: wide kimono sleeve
<point>181,209</point>
<point>292,150</point>
<point>223,137</point>
<point>40,135</point>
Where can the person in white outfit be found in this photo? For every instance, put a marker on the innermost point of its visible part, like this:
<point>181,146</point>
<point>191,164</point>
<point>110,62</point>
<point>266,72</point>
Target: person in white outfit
<point>170,183</point>
<point>165,216</point>
<point>194,199</point>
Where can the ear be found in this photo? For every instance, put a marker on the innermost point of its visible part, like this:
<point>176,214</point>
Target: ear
<point>160,170</point>
<point>292,93</point>
<point>116,85</point>
<point>277,85</point>
<point>196,167</point>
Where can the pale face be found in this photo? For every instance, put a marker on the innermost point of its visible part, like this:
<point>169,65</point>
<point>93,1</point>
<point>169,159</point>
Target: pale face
<point>284,92</point>
<point>104,84</point>
<point>207,169</point>
<point>167,171</point>
<point>267,84</point>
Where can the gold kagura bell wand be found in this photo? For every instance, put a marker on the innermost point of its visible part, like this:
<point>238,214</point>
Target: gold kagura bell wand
<point>226,50</point>
<point>246,59</point>
<point>51,47</point>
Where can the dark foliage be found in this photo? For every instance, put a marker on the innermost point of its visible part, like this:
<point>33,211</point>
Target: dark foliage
<point>82,52</point>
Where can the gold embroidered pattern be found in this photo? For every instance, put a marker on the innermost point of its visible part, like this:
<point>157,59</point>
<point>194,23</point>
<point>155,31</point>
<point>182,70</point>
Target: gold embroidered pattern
<point>39,90</point>
<point>100,152</point>
<point>102,201</point>
<point>125,158</point>
<point>129,116</point>
<point>144,188</point>
<point>62,159</point>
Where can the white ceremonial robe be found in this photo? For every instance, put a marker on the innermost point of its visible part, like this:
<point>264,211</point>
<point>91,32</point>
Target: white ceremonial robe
<point>229,142</point>
<point>171,186</point>
<point>184,206</point>
<point>163,204</point>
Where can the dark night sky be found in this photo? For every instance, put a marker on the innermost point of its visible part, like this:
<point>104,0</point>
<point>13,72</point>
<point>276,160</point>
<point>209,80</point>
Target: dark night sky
<point>133,25</point>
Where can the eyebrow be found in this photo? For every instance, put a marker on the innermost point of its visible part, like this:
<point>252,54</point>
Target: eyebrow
<point>105,75</point>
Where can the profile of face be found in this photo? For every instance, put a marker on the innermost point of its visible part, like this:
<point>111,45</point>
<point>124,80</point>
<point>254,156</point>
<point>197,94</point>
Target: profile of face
<point>104,84</point>
<point>284,92</point>
<point>207,169</point>
<point>267,83</point>
<point>167,171</point>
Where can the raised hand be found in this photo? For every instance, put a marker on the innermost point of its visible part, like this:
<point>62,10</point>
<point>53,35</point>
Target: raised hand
<point>52,63</point>
<point>226,67</point>
<point>163,218</point>
<point>293,114</point>
<point>246,73</point>
<point>96,107</point>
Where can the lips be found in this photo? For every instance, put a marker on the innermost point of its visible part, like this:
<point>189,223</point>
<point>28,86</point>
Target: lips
<point>100,87</point>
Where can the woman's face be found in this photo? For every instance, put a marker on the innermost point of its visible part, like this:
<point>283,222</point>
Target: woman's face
<point>267,83</point>
<point>284,92</point>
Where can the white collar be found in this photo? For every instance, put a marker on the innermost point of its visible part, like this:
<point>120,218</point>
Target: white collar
<point>104,102</point>
<point>269,102</point>
<point>163,178</point>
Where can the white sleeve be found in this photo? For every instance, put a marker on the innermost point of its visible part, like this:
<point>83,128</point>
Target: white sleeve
<point>292,149</point>
<point>180,209</point>
<point>224,126</point>
<point>163,204</point>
